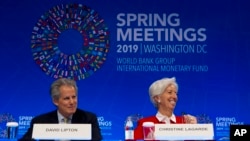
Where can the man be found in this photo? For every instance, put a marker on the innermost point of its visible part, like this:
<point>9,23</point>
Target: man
<point>64,93</point>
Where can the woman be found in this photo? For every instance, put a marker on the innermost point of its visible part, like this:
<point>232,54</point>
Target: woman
<point>163,95</point>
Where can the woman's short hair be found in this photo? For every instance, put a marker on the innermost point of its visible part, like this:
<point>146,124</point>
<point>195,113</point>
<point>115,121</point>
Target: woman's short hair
<point>159,86</point>
<point>55,86</point>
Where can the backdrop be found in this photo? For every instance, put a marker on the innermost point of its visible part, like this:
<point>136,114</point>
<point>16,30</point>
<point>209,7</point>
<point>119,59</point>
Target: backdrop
<point>116,49</point>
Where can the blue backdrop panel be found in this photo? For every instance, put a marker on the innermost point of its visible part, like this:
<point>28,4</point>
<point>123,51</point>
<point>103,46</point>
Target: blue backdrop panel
<point>116,49</point>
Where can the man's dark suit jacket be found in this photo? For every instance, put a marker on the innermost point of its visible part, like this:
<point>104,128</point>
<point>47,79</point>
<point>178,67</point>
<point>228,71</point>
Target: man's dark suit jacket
<point>79,116</point>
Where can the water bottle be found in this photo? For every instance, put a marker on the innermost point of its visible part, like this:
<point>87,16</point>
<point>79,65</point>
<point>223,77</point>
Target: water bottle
<point>129,129</point>
<point>130,125</point>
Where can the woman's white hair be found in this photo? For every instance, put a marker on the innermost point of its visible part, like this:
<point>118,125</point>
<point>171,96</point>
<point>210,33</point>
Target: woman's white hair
<point>159,86</point>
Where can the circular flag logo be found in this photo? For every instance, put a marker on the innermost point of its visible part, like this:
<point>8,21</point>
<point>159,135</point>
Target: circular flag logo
<point>70,41</point>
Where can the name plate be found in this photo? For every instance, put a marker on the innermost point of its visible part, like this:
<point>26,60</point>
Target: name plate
<point>62,131</point>
<point>184,132</point>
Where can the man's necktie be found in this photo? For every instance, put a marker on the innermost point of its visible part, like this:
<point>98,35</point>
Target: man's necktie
<point>65,120</point>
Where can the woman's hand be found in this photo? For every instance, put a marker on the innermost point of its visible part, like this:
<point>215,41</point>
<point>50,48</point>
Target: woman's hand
<point>189,119</point>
